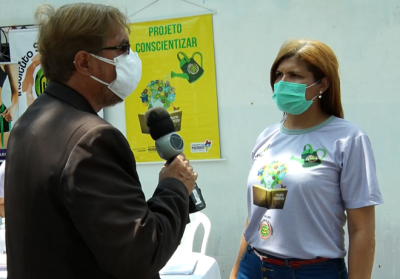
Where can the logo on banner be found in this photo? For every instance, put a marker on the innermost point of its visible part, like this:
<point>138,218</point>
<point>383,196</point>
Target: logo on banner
<point>40,82</point>
<point>200,147</point>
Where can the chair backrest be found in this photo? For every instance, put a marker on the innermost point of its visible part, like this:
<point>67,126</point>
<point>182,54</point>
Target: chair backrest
<point>196,219</point>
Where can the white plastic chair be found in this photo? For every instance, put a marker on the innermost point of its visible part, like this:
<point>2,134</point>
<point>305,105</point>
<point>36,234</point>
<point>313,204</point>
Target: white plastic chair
<point>196,219</point>
<point>206,267</point>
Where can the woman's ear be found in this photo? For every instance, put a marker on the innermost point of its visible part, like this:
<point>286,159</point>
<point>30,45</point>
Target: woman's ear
<point>324,85</point>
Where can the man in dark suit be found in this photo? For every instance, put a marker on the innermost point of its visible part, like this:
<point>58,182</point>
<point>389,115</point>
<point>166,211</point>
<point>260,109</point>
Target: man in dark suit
<point>74,203</point>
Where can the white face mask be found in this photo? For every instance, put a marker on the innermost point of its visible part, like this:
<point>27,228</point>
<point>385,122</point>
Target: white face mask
<point>129,71</point>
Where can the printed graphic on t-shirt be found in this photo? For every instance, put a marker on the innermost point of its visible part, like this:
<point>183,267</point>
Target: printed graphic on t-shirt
<point>262,153</point>
<point>272,174</point>
<point>267,147</point>
<point>265,229</point>
<point>309,157</point>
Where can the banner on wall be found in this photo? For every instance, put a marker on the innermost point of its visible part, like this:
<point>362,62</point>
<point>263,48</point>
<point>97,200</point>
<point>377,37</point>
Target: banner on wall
<point>8,103</point>
<point>31,79</point>
<point>23,50</point>
<point>179,75</point>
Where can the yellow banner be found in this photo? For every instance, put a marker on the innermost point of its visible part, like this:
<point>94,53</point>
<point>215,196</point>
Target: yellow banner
<point>178,74</point>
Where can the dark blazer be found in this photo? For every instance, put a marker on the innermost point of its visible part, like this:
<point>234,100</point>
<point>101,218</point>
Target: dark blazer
<point>73,200</point>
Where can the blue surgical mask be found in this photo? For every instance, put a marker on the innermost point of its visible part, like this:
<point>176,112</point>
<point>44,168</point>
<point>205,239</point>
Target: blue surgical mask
<point>291,97</point>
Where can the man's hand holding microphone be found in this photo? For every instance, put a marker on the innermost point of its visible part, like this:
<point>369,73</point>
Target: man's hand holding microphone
<point>170,146</point>
<point>180,169</point>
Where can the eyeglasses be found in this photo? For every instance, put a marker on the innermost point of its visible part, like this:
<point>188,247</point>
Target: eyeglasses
<point>125,48</point>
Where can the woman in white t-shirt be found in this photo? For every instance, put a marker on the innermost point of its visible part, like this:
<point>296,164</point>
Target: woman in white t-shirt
<point>320,171</point>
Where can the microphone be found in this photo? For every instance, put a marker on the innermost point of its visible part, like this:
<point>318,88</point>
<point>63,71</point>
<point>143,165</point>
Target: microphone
<point>169,144</point>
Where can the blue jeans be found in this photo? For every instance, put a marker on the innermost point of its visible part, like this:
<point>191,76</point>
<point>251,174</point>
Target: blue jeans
<point>251,267</point>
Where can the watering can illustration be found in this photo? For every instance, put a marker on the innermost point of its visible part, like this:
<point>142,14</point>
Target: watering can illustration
<point>192,71</point>
<point>309,157</point>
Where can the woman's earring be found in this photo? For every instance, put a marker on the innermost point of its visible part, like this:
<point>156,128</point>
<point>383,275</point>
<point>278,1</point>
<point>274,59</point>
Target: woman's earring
<point>320,95</point>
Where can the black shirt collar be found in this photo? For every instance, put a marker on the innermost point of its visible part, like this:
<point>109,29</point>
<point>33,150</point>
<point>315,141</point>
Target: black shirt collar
<point>67,94</point>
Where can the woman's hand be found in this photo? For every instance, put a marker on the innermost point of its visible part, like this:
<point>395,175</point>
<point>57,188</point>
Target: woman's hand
<point>9,113</point>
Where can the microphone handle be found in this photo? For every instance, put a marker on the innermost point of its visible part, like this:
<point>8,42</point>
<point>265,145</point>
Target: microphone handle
<point>196,200</point>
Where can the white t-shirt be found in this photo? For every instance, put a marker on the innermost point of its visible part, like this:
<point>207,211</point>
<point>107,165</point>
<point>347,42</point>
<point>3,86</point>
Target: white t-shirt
<point>325,169</point>
<point>2,170</point>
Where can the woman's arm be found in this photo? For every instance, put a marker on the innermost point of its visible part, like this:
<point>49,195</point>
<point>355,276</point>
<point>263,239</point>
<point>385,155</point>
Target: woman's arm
<point>12,72</point>
<point>242,250</point>
<point>361,227</point>
<point>28,80</point>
